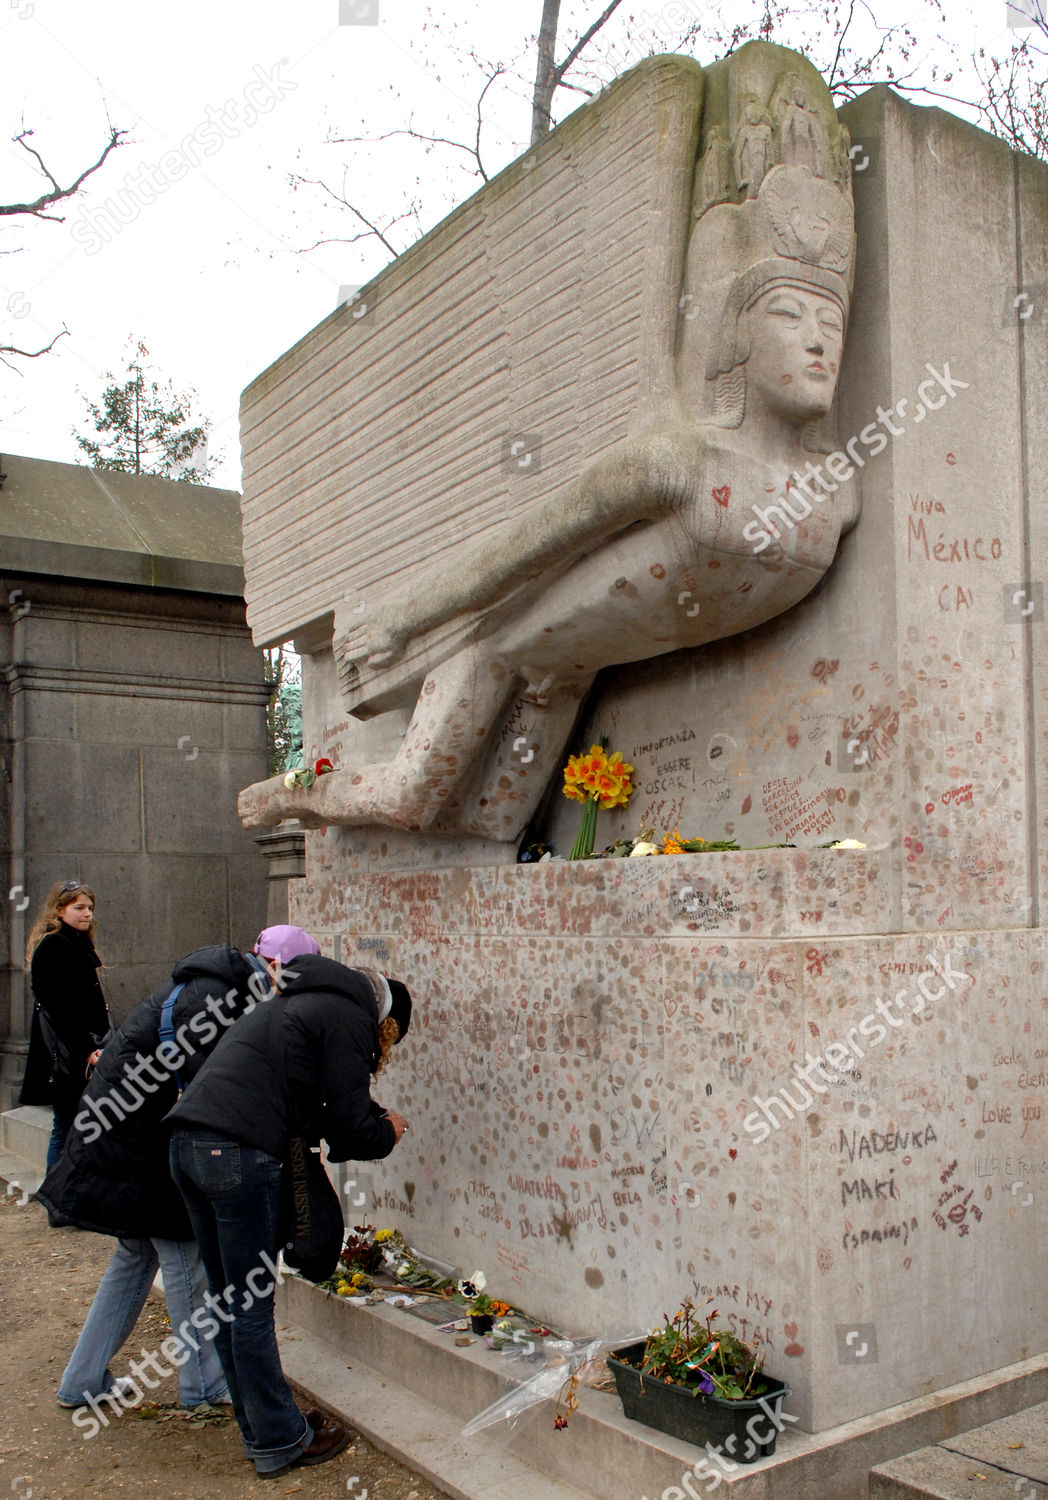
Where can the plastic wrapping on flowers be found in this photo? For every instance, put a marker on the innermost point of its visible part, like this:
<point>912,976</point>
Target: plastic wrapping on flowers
<point>565,1358</point>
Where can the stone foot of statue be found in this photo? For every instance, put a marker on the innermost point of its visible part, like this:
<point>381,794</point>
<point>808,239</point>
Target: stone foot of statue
<point>352,798</point>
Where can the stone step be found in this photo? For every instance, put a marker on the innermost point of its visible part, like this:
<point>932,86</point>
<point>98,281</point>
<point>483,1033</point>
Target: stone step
<point>19,1177</point>
<point>25,1133</point>
<point>938,1474</point>
<point>601,1451</point>
<point>1002,1460</point>
<point>411,1429</point>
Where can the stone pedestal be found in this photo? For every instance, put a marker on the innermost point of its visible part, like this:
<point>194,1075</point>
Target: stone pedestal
<point>603,1083</point>
<point>284,850</point>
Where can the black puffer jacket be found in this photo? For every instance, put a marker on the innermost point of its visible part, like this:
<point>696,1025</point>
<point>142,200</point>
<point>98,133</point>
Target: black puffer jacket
<point>113,1176</point>
<point>64,976</point>
<point>329,1031</point>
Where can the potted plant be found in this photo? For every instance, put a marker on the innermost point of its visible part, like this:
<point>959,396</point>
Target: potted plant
<point>702,1384</point>
<point>483,1310</point>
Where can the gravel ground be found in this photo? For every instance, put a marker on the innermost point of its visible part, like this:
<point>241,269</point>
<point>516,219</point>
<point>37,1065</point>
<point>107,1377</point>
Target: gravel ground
<point>49,1279</point>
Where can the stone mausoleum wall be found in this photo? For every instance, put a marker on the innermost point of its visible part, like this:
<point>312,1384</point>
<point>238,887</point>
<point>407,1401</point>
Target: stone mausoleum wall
<point>602,1077</point>
<point>134,709</point>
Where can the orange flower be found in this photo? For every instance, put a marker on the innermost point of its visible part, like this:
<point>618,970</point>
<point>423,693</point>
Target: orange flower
<point>671,843</point>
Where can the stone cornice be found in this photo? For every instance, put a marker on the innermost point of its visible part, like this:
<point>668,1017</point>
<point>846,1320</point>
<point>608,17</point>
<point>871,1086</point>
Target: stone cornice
<point>22,677</point>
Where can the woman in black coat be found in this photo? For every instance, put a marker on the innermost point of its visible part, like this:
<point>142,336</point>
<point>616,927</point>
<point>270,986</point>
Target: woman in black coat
<point>300,1065</point>
<point>70,1016</point>
<point>113,1177</point>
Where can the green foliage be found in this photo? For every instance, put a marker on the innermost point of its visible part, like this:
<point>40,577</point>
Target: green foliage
<point>144,427</point>
<point>284,708</point>
<point>687,1350</point>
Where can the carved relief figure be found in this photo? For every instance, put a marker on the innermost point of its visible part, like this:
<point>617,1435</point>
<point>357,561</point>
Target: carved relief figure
<point>714,170</point>
<point>799,144</point>
<point>649,551</point>
<point>753,147</point>
<point>842,161</point>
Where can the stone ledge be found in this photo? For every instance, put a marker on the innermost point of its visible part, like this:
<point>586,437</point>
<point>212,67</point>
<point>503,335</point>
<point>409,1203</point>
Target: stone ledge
<point>617,1456</point>
<point>113,565</point>
<point>761,893</point>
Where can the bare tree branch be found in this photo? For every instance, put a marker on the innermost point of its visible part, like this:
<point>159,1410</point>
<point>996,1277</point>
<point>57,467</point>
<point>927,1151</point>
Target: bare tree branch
<point>584,40</point>
<point>549,75</point>
<point>840,44</point>
<point>28,353</point>
<point>414,134</point>
<point>480,120</point>
<point>371,230</point>
<point>57,192</point>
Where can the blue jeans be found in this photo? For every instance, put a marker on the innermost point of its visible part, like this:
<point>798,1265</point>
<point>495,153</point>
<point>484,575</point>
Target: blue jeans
<point>114,1312</point>
<point>232,1193</point>
<point>60,1128</point>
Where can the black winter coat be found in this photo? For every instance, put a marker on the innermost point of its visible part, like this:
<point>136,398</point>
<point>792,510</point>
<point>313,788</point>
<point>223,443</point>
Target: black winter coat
<point>113,1175</point>
<point>70,1018</point>
<point>329,1032</point>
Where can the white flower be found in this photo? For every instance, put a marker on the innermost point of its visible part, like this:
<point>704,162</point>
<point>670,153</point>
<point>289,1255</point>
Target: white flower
<point>848,844</point>
<point>642,848</point>
<point>473,1287</point>
<point>291,781</point>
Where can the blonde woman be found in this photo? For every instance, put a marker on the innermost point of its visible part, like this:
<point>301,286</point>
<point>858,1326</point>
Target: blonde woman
<point>70,1016</point>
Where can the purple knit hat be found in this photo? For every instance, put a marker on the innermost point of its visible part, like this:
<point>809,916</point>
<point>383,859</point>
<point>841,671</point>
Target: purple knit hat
<point>285,943</point>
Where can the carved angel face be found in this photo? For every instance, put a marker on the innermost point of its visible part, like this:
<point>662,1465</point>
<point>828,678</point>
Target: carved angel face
<point>796,338</point>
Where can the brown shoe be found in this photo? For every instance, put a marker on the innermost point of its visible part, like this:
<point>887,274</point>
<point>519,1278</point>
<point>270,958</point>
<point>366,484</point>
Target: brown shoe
<point>328,1442</point>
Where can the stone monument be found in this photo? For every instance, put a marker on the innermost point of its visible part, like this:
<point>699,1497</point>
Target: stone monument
<point>513,629</point>
<point>588,459</point>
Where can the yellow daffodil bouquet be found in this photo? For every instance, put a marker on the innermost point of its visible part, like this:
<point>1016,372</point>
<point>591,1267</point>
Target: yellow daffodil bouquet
<point>596,780</point>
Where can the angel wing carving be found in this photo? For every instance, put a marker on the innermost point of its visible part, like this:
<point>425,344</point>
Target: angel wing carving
<point>810,219</point>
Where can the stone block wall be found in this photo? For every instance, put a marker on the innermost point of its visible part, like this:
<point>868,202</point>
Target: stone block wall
<point>133,716</point>
<point>631,1081</point>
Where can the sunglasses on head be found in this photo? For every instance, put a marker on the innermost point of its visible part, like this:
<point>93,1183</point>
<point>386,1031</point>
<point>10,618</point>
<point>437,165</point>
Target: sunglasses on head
<point>71,885</point>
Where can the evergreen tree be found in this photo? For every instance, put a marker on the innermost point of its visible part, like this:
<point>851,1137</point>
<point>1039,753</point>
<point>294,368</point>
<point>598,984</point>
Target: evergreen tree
<point>283,671</point>
<point>145,427</point>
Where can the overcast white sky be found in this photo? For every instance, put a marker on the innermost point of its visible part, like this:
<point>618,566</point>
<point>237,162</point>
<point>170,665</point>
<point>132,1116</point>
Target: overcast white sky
<point>222,100</point>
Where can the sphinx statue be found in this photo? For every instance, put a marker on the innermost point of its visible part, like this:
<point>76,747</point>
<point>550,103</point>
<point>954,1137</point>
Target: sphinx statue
<point>703,525</point>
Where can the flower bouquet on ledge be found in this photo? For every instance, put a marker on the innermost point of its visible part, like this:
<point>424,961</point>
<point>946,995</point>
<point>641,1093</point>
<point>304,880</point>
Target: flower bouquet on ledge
<point>369,1253</point>
<point>596,780</point>
<point>701,1384</point>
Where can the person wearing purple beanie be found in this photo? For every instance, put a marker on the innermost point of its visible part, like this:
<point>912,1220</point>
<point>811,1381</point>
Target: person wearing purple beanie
<point>231,1128</point>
